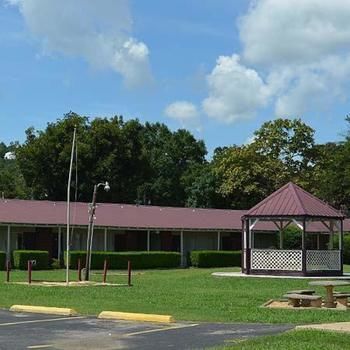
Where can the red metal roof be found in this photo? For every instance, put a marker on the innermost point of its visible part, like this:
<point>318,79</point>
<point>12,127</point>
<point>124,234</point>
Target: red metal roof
<point>119,215</point>
<point>122,216</point>
<point>292,200</point>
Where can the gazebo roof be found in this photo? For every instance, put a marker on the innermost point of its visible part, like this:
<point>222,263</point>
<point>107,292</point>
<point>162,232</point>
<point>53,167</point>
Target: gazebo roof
<point>292,201</point>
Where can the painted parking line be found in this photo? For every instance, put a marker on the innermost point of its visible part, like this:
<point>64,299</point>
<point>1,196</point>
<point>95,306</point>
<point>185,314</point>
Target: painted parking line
<point>44,346</point>
<point>41,321</point>
<point>161,329</point>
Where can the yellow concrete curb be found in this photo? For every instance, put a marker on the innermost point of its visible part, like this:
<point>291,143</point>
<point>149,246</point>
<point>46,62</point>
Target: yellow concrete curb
<point>130,316</point>
<point>62,311</point>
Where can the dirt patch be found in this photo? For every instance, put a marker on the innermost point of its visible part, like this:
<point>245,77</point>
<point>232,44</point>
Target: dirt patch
<point>70,284</point>
<point>283,304</point>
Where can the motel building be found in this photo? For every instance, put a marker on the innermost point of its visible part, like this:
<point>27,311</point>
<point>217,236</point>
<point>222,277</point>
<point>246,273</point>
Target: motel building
<point>41,225</point>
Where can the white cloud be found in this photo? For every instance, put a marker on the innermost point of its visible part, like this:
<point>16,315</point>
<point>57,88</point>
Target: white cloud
<point>186,113</point>
<point>98,31</point>
<point>295,55</point>
<point>294,32</point>
<point>235,91</point>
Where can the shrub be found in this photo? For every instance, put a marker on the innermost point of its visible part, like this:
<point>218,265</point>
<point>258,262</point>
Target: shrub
<point>2,260</point>
<point>346,246</point>
<point>119,260</point>
<point>215,258</point>
<point>55,264</point>
<point>21,257</point>
<point>292,237</point>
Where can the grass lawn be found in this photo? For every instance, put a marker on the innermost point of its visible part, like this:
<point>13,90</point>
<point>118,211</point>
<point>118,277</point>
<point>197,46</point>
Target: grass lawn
<point>187,294</point>
<point>295,340</point>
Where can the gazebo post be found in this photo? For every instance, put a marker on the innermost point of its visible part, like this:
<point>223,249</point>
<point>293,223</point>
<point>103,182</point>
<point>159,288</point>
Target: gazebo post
<point>281,235</point>
<point>247,231</point>
<point>243,259</point>
<point>303,247</point>
<point>341,241</point>
<point>331,234</point>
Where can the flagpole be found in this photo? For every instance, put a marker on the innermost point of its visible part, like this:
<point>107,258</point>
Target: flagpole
<point>68,206</point>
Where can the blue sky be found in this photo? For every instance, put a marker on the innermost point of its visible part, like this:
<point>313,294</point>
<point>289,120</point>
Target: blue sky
<point>218,67</point>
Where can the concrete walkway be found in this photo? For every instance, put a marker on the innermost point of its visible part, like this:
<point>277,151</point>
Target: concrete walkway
<point>335,327</point>
<point>346,276</point>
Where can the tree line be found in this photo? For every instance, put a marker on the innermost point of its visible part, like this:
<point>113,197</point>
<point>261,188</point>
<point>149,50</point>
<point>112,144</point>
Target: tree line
<point>150,164</point>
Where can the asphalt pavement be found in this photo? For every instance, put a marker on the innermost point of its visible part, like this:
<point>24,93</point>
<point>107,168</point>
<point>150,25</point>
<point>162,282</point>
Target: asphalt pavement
<point>35,331</point>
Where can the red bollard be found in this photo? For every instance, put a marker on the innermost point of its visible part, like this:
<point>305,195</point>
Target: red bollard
<point>8,269</point>
<point>129,273</point>
<point>105,268</point>
<point>79,270</point>
<point>29,271</point>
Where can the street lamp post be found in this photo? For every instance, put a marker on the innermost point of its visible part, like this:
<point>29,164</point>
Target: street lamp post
<point>92,210</point>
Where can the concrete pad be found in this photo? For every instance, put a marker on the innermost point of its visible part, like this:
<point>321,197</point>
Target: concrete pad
<point>346,276</point>
<point>130,316</point>
<point>334,327</point>
<point>62,311</point>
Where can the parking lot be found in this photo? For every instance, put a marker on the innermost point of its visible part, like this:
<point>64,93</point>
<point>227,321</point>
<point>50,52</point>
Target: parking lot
<point>34,331</point>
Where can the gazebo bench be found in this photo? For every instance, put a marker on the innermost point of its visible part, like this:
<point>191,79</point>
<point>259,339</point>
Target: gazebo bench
<point>297,300</point>
<point>301,291</point>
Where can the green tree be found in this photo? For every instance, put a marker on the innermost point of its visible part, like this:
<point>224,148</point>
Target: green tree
<point>283,150</point>
<point>332,173</point>
<point>201,185</point>
<point>12,184</point>
<point>171,156</point>
<point>289,140</point>
<point>246,176</point>
<point>44,156</point>
<point>143,163</point>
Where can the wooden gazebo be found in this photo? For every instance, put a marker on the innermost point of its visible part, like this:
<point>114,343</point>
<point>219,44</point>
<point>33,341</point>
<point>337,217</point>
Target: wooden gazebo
<point>293,205</point>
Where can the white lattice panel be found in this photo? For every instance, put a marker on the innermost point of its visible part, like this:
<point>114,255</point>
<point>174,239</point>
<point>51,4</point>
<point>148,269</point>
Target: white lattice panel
<point>283,260</point>
<point>323,260</point>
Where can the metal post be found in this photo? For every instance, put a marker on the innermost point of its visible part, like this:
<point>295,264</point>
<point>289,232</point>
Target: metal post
<point>148,240</point>
<point>182,248</point>
<point>105,267</point>
<point>89,235</point>
<point>68,205</point>
<point>129,273</point>
<point>318,241</point>
<point>105,240</point>
<point>8,269</point>
<point>29,271</point>
<point>79,270</point>
<point>8,250</point>
<point>59,243</point>
<point>219,241</point>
